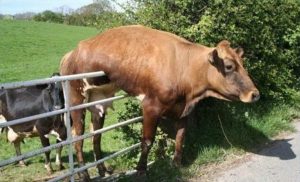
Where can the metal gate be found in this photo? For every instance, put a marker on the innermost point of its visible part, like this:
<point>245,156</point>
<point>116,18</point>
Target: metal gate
<point>70,140</point>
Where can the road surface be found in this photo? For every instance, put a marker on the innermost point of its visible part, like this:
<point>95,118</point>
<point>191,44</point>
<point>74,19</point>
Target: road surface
<point>278,163</point>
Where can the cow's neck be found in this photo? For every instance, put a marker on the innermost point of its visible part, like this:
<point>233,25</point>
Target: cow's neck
<point>195,78</point>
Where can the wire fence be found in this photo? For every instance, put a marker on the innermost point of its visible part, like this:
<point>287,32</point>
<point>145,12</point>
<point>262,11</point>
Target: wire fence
<point>67,109</point>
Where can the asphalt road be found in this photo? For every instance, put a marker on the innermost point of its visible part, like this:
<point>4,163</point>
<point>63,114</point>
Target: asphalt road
<point>278,163</point>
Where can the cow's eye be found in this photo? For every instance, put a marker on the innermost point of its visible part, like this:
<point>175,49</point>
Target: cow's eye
<point>229,68</point>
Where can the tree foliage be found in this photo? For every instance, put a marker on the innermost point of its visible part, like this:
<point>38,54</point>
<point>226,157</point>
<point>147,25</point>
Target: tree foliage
<point>267,30</point>
<point>49,16</point>
<point>100,14</point>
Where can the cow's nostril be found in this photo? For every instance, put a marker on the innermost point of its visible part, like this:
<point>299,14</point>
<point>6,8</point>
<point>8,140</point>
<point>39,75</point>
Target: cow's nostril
<point>255,96</point>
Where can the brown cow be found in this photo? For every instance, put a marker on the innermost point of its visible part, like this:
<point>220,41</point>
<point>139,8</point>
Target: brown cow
<point>169,73</point>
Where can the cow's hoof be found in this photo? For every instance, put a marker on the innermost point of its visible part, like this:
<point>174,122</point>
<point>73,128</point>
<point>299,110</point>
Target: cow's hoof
<point>84,176</point>
<point>22,164</point>
<point>61,167</point>
<point>49,168</point>
<point>50,172</point>
<point>109,170</point>
<point>141,176</point>
<point>176,163</point>
<point>105,170</point>
<point>101,169</point>
<point>141,173</point>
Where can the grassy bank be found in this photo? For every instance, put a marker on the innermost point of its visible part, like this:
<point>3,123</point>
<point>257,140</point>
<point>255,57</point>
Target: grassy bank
<point>31,50</point>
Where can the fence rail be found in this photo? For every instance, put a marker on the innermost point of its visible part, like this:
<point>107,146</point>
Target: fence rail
<point>50,80</point>
<point>60,111</point>
<point>70,140</point>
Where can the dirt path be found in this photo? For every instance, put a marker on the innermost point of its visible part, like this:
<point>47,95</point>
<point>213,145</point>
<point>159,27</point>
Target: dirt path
<point>280,162</point>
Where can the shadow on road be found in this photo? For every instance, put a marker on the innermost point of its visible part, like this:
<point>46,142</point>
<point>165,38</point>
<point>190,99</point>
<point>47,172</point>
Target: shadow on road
<point>279,148</point>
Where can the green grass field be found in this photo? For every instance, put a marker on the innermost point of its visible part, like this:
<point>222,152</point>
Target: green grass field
<point>31,50</point>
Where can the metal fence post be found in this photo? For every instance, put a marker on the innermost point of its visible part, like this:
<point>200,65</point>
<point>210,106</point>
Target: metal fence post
<point>67,115</point>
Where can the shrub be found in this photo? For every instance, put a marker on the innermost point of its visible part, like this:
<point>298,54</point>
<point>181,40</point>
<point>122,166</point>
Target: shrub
<point>269,35</point>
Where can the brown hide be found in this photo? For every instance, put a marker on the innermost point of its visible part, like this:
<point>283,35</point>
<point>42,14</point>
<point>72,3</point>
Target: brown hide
<point>172,73</point>
<point>158,64</point>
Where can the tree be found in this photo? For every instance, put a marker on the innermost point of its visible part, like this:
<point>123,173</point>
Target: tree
<point>49,16</point>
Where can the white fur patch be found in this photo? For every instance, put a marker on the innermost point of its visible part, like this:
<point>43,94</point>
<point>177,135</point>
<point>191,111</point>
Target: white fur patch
<point>53,133</point>
<point>141,97</point>
<point>13,136</point>
<point>2,120</point>
<point>95,93</point>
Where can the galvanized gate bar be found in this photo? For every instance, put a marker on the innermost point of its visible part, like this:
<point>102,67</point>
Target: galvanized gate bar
<point>50,80</point>
<point>108,128</point>
<point>60,111</point>
<point>102,101</point>
<point>75,139</point>
<point>77,170</point>
<point>30,118</point>
<point>67,109</point>
<point>32,153</point>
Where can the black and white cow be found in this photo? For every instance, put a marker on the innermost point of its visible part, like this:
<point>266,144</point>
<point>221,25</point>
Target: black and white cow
<point>24,102</point>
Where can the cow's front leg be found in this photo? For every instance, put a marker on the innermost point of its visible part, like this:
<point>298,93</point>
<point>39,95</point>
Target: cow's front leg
<point>78,129</point>
<point>17,145</point>
<point>16,139</point>
<point>97,123</point>
<point>181,128</point>
<point>58,161</point>
<point>150,120</point>
<point>45,142</point>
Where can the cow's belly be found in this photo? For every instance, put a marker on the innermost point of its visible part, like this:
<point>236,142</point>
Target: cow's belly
<point>17,136</point>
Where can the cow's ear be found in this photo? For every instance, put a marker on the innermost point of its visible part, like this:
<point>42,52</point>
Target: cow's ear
<point>213,57</point>
<point>49,87</point>
<point>239,51</point>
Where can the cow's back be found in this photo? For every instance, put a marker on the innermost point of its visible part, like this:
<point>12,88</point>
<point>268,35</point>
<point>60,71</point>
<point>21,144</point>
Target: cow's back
<point>148,59</point>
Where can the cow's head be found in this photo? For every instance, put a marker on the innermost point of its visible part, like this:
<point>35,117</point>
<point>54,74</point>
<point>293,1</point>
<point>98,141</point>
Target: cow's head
<point>56,94</point>
<point>227,76</point>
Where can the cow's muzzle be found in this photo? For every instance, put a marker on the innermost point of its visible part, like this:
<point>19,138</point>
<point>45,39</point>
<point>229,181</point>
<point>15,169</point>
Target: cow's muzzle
<point>250,97</point>
<point>255,95</point>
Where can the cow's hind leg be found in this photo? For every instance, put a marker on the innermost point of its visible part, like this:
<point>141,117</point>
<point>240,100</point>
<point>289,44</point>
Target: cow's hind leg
<point>78,129</point>
<point>97,122</point>
<point>46,143</point>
